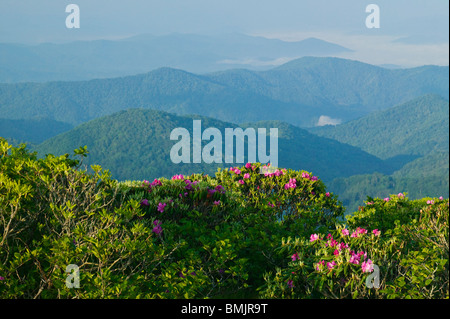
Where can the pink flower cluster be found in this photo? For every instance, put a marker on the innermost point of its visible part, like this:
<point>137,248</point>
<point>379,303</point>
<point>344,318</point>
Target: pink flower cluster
<point>355,258</point>
<point>307,176</point>
<point>291,184</point>
<point>249,165</point>
<point>367,266</point>
<point>189,184</point>
<point>277,172</point>
<point>331,242</point>
<point>359,231</point>
<point>236,170</point>
<point>175,177</point>
<point>149,185</point>
<point>161,207</point>
<point>157,229</point>
<point>359,258</point>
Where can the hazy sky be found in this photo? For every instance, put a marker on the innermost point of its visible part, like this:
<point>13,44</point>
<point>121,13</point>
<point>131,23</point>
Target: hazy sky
<point>412,32</point>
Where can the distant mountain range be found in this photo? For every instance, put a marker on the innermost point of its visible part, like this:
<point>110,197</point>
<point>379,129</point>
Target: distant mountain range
<point>85,60</point>
<point>299,92</point>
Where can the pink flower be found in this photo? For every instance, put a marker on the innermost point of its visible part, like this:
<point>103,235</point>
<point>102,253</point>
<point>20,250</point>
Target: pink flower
<point>175,177</point>
<point>246,175</point>
<point>305,175</point>
<point>367,266</point>
<point>345,232</point>
<point>369,203</point>
<point>295,257</point>
<point>217,202</point>
<point>314,237</point>
<point>386,199</point>
<point>290,284</point>
<point>270,204</point>
<point>241,182</point>
<point>330,265</point>
<point>430,202</point>
<point>237,171</point>
<point>161,207</point>
<point>354,234</point>
<point>156,182</point>
<point>400,195</point>
<point>319,264</point>
<point>291,184</point>
<point>376,232</point>
<point>336,252</point>
<point>327,194</point>
<point>220,188</point>
<point>144,202</point>
<point>333,242</point>
<point>354,259</point>
<point>157,229</point>
<point>361,230</point>
<point>441,198</point>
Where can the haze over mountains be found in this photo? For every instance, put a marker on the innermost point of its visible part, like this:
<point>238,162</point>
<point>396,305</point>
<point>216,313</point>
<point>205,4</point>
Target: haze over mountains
<point>85,60</point>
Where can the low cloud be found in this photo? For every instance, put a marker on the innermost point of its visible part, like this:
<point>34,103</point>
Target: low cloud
<point>326,120</point>
<point>257,62</point>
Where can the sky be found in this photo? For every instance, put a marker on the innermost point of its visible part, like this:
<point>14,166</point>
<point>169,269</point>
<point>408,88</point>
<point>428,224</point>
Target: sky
<point>411,32</point>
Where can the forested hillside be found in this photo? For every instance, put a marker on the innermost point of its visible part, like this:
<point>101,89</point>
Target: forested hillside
<point>135,144</point>
<point>416,127</point>
<point>31,130</point>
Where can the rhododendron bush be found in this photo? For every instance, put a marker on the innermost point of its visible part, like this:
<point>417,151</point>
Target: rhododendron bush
<point>249,231</point>
<point>409,247</point>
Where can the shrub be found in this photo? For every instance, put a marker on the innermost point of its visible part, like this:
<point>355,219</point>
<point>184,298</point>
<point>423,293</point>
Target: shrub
<point>409,246</point>
<point>188,237</point>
